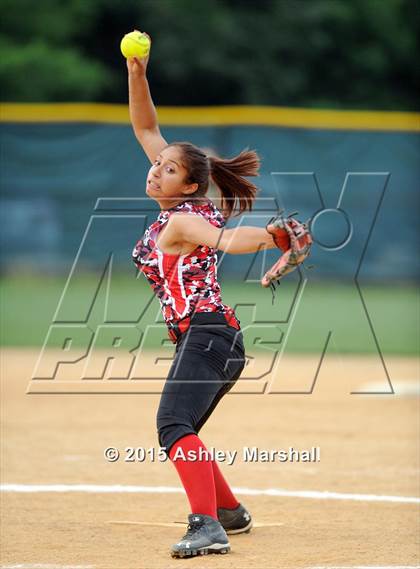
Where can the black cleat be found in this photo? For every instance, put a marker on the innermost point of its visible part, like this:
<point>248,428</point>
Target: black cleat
<point>204,535</point>
<point>234,521</point>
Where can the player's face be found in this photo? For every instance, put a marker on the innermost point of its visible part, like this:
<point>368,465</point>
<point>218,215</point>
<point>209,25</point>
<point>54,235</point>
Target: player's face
<point>166,179</point>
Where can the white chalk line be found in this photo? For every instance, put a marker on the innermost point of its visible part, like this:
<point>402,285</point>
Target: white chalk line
<point>44,566</point>
<point>402,388</point>
<point>274,492</point>
<point>50,566</point>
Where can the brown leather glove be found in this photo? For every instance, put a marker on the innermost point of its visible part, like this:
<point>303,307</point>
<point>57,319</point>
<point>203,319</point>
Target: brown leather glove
<point>294,239</point>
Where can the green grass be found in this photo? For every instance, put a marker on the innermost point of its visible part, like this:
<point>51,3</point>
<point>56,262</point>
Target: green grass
<point>29,304</point>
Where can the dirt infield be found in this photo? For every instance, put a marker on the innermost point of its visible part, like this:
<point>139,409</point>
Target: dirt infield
<point>368,446</point>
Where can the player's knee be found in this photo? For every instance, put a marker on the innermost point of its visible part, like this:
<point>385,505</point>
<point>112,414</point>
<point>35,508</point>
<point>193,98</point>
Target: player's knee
<point>170,428</point>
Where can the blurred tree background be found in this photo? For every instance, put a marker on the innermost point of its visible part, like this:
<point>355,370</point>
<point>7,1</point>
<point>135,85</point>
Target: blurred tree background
<point>314,53</point>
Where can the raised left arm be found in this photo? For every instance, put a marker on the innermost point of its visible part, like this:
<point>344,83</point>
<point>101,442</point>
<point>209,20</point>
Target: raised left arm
<point>195,229</point>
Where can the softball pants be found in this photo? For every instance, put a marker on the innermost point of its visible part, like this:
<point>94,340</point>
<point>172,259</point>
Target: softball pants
<point>209,359</point>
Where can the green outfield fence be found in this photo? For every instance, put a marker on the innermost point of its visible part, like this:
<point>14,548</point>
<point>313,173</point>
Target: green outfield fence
<point>72,187</point>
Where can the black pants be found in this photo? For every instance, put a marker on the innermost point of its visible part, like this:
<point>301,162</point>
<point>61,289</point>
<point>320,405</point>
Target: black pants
<point>209,358</point>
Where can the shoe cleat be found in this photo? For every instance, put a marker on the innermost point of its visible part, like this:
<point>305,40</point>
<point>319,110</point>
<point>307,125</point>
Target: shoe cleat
<point>204,535</point>
<point>236,520</point>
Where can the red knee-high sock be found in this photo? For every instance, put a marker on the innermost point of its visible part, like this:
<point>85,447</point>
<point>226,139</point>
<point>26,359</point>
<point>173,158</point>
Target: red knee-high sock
<point>224,495</point>
<point>196,475</point>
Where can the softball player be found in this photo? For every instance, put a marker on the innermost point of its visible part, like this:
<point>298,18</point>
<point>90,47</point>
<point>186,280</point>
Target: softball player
<point>177,254</point>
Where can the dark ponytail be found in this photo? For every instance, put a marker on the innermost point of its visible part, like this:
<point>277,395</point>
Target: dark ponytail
<point>227,174</point>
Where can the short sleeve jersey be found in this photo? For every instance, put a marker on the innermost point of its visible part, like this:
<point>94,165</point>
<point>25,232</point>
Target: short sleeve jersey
<point>183,284</point>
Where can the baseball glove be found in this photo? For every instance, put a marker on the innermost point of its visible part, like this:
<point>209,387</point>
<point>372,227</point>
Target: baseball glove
<point>294,239</point>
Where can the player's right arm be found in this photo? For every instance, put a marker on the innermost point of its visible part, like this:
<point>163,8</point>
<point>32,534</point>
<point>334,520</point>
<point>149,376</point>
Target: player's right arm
<point>195,230</point>
<point>143,114</point>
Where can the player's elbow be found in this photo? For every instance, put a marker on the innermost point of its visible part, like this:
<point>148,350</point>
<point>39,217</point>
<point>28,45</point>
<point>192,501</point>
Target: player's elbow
<point>225,242</point>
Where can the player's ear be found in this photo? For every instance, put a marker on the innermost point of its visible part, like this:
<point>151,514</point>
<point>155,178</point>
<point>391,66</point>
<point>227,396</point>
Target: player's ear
<point>190,189</point>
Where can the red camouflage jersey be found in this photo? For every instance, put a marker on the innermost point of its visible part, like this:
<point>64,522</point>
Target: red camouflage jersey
<point>184,284</point>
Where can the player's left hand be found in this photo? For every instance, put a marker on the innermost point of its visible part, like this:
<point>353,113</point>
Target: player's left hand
<point>294,239</point>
